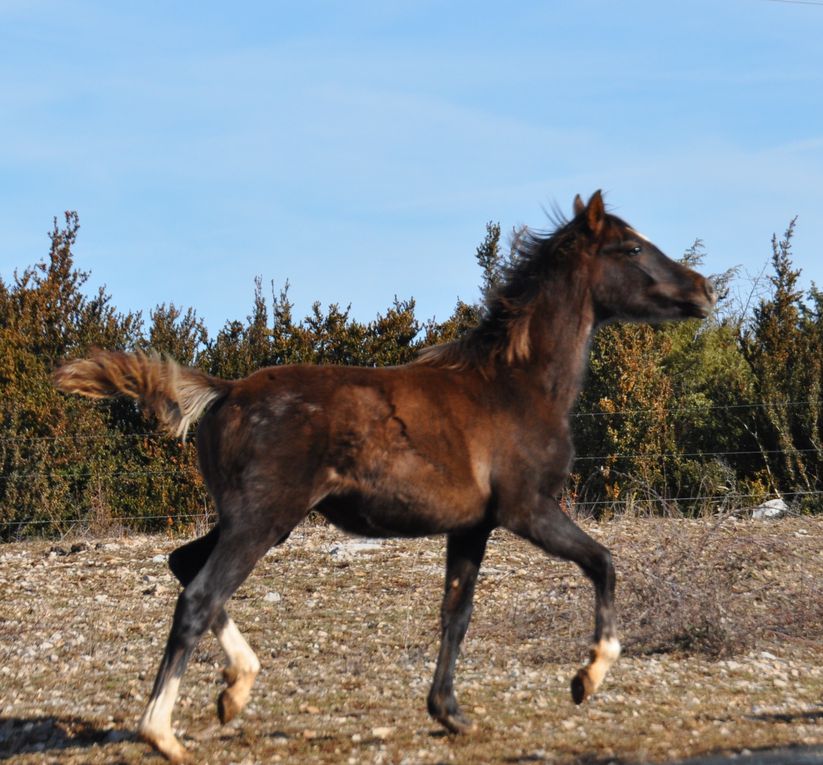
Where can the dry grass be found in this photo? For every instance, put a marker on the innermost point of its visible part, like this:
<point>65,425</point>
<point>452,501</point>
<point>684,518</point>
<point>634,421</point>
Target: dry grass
<point>722,624</point>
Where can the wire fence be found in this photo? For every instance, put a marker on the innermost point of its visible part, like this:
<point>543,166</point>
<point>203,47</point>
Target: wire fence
<point>712,408</point>
<point>717,499</point>
<point>207,517</point>
<point>640,497</point>
<point>209,514</point>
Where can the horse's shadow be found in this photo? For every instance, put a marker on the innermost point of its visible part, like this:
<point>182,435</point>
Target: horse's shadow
<point>804,716</point>
<point>42,735</point>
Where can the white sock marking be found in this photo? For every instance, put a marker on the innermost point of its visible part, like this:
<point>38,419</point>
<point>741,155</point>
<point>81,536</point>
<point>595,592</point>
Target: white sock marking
<point>238,652</point>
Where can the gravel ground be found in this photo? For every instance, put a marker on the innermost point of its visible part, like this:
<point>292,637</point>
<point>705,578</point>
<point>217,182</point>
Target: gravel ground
<point>722,623</point>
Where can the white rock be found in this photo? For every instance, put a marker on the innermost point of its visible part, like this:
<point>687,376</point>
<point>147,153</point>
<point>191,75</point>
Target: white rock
<point>348,548</point>
<point>773,508</point>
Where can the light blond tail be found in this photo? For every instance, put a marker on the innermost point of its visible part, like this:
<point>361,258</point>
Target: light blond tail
<point>174,394</point>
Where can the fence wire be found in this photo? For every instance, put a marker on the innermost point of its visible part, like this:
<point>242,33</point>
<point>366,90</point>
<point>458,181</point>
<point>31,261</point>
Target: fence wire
<point>639,497</point>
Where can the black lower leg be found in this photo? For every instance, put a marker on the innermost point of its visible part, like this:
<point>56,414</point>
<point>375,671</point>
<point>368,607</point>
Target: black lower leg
<point>155,725</point>
<point>185,563</point>
<point>604,583</point>
<point>463,557</point>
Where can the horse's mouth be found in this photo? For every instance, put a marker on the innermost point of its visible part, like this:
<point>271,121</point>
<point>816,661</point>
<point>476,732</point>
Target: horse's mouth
<point>696,309</point>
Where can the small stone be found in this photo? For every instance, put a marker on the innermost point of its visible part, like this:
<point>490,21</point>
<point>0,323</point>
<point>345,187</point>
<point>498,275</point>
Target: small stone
<point>773,508</point>
<point>272,597</point>
<point>382,732</point>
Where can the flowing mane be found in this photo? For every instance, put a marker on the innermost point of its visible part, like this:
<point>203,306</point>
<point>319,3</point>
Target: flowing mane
<point>503,334</point>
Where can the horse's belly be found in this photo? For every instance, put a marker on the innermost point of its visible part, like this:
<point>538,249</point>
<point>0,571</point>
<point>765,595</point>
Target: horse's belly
<point>417,511</point>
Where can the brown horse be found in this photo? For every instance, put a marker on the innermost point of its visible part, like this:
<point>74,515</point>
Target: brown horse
<point>472,436</point>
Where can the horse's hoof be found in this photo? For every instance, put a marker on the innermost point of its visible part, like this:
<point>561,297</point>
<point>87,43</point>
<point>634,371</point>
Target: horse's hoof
<point>168,745</point>
<point>227,708</point>
<point>582,687</point>
<point>457,722</point>
<point>233,699</point>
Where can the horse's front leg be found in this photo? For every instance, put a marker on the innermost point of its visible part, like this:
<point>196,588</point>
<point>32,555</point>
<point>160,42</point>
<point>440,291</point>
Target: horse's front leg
<point>552,530</point>
<point>464,552</point>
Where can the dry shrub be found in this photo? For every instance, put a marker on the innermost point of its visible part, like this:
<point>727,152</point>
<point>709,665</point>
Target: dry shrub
<point>712,587</point>
<point>676,594</point>
<point>715,587</point>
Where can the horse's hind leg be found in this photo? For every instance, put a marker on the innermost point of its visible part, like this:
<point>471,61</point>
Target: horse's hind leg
<point>235,553</point>
<point>242,665</point>
<point>551,529</point>
<point>464,553</point>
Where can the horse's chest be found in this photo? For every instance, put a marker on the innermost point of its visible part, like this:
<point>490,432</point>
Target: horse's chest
<point>546,462</point>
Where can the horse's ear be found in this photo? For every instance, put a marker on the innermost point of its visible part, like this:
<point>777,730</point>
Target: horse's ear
<point>578,205</point>
<point>596,213</point>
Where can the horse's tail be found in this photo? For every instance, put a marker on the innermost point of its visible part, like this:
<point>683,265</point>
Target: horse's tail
<point>174,394</point>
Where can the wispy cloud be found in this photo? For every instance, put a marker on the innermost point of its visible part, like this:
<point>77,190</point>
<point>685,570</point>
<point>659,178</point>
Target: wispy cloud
<point>358,148</point>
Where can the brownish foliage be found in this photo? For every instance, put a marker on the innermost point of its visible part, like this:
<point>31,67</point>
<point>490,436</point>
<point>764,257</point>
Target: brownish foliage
<point>677,420</point>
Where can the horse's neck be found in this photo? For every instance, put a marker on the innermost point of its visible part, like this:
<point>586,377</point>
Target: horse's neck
<point>560,338</point>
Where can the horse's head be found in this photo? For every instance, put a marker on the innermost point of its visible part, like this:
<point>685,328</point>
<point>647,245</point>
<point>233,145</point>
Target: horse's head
<point>630,278</point>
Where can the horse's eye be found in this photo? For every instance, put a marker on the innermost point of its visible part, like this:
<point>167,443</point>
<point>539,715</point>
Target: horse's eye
<point>635,250</point>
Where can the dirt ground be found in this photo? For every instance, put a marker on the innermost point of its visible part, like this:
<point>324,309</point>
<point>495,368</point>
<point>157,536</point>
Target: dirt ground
<point>722,625</point>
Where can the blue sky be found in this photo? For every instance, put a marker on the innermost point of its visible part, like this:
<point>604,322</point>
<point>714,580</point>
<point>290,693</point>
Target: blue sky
<point>357,149</point>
